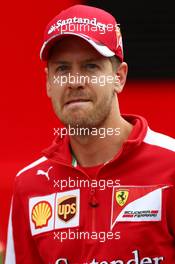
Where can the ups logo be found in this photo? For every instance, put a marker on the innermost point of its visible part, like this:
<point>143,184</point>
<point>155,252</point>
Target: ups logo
<point>67,207</point>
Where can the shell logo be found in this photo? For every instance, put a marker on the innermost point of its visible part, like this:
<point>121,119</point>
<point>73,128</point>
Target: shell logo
<point>41,213</point>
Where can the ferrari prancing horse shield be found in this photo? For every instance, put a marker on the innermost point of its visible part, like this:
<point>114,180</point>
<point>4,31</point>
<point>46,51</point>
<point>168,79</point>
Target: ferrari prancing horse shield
<point>121,197</point>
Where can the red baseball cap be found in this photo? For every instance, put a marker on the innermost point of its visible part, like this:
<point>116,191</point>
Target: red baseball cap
<point>98,27</point>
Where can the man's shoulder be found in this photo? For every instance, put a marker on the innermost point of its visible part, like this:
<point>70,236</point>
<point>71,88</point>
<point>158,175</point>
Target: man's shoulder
<point>33,165</point>
<point>34,177</point>
<point>160,140</point>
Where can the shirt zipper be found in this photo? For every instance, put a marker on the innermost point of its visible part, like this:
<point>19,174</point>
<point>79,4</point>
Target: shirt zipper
<point>93,203</point>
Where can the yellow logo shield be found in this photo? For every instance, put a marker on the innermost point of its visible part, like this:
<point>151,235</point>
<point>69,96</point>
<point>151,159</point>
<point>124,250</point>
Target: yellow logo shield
<point>121,197</point>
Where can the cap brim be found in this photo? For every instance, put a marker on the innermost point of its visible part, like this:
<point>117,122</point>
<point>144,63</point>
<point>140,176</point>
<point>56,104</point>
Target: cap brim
<point>102,49</point>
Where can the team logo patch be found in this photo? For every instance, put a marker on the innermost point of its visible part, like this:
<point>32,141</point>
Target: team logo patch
<point>54,211</point>
<point>41,213</point>
<point>136,204</point>
<point>67,208</point>
<point>121,197</point>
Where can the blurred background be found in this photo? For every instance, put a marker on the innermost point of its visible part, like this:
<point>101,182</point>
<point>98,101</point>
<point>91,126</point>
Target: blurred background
<point>27,119</point>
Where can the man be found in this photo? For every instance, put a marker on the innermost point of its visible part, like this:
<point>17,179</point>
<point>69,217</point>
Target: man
<point>103,192</point>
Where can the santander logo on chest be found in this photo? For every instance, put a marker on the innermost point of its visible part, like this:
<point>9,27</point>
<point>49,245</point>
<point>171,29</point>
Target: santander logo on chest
<point>135,260</point>
<point>136,204</point>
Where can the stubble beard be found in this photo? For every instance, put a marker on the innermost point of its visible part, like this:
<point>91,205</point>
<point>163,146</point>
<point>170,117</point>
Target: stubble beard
<point>93,118</point>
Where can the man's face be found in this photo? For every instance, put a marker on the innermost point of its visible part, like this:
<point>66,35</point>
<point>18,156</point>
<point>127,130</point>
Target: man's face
<point>76,85</point>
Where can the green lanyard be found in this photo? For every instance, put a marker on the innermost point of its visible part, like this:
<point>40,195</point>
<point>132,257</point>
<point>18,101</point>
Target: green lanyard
<point>74,161</point>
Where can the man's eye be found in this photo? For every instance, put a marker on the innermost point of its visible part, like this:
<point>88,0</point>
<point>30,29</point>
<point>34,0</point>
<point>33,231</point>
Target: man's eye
<point>62,68</point>
<point>91,66</point>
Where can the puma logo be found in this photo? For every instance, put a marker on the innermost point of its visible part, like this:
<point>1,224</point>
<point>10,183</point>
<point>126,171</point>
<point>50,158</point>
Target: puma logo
<point>44,173</point>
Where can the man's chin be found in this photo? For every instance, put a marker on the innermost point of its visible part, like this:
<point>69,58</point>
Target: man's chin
<point>78,124</point>
<point>76,120</point>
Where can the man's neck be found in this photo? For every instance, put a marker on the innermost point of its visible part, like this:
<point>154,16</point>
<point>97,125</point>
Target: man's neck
<point>93,150</point>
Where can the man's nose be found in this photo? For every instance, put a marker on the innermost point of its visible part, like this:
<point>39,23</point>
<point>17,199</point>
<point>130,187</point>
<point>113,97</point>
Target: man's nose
<point>76,78</point>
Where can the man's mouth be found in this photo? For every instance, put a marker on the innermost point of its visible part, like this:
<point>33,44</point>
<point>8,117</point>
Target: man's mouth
<point>76,101</point>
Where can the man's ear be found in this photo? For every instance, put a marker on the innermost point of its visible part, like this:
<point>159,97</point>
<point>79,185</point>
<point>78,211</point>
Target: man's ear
<point>48,87</point>
<point>121,76</point>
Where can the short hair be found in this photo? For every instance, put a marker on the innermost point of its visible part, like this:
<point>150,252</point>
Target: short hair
<point>115,61</point>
